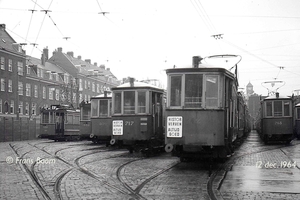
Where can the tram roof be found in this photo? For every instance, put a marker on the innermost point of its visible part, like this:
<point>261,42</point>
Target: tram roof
<point>137,85</point>
<point>298,105</point>
<point>108,95</point>
<point>273,97</point>
<point>201,68</point>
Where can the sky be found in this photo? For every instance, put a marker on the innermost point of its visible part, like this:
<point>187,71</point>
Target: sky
<point>143,38</point>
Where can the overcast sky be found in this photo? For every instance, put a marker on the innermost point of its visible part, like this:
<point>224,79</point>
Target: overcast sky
<point>142,38</point>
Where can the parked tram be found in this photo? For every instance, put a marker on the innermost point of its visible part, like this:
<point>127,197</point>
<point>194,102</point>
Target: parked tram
<point>277,119</point>
<point>85,120</point>
<point>137,117</point>
<point>60,123</point>
<point>201,111</point>
<point>101,107</point>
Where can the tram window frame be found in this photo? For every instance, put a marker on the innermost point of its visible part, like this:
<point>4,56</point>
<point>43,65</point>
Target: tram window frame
<point>141,102</point>
<point>298,113</point>
<point>215,91</point>
<point>117,105</point>
<point>129,102</point>
<point>103,107</point>
<point>94,108</point>
<point>279,110</point>
<point>175,99</point>
<point>193,93</point>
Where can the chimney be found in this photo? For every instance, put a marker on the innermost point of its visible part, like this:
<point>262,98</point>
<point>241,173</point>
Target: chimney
<point>196,61</point>
<point>59,49</point>
<point>277,94</point>
<point>79,57</point>
<point>2,26</point>
<point>88,61</point>
<point>131,81</point>
<point>70,53</point>
<point>108,69</point>
<point>105,93</point>
<point>46,53</point>
<point>95,64</point>
<point>102,66</point>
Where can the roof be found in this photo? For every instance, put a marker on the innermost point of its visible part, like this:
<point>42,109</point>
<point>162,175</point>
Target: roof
<point>48,66</point>
<point>109,95</point>
<point>8,43</point>
<point>249,85</point>
<point>137,85</point>
<point>280,97</point>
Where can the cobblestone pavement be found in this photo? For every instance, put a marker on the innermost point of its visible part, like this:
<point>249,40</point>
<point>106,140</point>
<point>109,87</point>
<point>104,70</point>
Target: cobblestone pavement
<point>261,171</point>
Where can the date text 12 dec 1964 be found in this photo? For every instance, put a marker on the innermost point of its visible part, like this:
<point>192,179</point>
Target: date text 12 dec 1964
<point>275,165</point>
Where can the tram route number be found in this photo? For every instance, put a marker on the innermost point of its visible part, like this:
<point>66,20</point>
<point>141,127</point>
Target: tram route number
<point>275,165</point>
<point>129,123</point>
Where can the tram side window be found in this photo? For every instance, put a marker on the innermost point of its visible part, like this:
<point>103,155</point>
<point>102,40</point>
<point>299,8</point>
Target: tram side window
<point>141,102</point>
<point>94,106</point>
<point>211,93</point>
<point>269,109</point>
<point>103,108</point>
<point>175,91</point>
<point>298,113</point>
<point>129,102</point>
<point>117,103</point>
<point>69,119</point>
<point>76,119</point>
<point>86,113</point>
<point>277,108</point>
<point>193,90</point>
<point>45,118</point>
<point>286,108</point>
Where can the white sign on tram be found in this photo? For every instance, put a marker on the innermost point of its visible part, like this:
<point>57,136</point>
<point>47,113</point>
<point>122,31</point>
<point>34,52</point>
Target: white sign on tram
<point>117,127</point>
<point>174,126</point>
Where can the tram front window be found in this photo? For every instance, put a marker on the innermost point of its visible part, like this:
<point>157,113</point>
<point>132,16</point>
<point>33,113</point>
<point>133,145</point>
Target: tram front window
<point>211,93</point>
<point>286,108</point>
<point>269,109</point>
<point>129,100</point>
<point>141,102</point>
<point>193,90</point>
<point>94,106</point>
<point>117,103</point>
<point>175,91</point>
<point>277,108</point>
<point>103,108</point>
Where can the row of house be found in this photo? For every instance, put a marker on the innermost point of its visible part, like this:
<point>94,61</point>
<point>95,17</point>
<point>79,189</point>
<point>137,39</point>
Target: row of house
<point>29,84</point>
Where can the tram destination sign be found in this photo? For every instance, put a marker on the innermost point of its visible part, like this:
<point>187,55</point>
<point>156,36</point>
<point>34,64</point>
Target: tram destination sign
<point>174,126</point>
<point>117,127</point>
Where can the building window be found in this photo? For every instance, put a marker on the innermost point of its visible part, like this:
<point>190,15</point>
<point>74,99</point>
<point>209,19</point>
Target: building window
<point>0,105</point>
<point>33,108</point>
<point>9,85</point>
<point>85,84</point>
<point>51,93</point>
<point>2,63</point>
<point>36,91</point>
<point>28,90</point>
<point>20,88</point>
<point>20,68</point>
<point>80,98</point>
<point>89,85</point>
<point>85,98</point>
<point>80,85</point>
<point>27,108</point>
<point>74,97</point>
<point>57,94</point>
<point>28,69</point>
<point>93,86</point>
<point>2,84</point>
<point>10,65</point>
<point>21,107</point>
<point>98,88</point>
<point>44,92</point>
<point>12,107</point>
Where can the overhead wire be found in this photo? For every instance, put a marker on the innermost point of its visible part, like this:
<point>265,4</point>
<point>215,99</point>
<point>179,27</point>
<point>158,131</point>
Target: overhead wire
<point>32,11</point>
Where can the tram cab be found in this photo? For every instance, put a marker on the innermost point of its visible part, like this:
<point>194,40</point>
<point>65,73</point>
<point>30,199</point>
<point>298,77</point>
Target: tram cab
<point>101,107</point>
<point>59,122</point>
<point>137,119</point>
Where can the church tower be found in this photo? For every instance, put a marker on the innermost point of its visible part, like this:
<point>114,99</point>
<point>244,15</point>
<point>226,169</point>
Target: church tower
<point>249,89</point>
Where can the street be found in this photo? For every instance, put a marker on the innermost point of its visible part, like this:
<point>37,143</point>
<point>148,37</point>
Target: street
<point>44,169</point>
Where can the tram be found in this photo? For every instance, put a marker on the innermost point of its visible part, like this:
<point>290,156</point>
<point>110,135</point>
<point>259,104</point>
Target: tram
<point>277,119</point>
<point>201,111</point>
<point>137,118</point>
<point>101,121</point>
<point>60,123</point>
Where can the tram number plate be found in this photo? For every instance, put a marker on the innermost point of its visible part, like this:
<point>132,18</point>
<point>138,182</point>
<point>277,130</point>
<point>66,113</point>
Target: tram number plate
<point>174,126</point>
<point>129,123</point>
<point>278,123</point>
<point>117,127</point>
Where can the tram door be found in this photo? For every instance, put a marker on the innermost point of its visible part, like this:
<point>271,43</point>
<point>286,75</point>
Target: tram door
<point>59,123</point>
<point>157,112</point>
